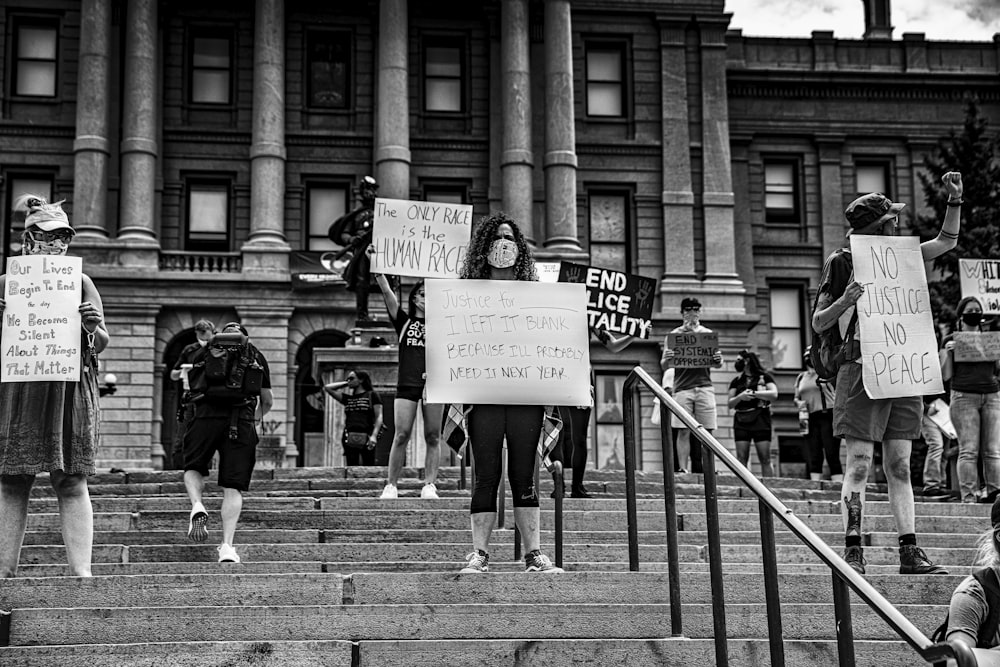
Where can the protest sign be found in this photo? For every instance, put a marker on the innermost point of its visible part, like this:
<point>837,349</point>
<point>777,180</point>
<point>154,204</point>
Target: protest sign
<point>548,272</point>
<point>976,346</point>
<point>616,302</point>
<point>507,342</point>
<point>981,278</point>
<point>898,347</point>
<point>41,323</point>
<point>418,238</point>
<point>693,350</point>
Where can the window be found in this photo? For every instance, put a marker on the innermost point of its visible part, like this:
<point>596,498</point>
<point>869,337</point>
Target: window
<point>609,433</point>
<point>329,67</point>
<point>443,76</point>
<point>781,191</point>
<point>208,216</point>
<point>609,230</point>
<point>446,194</point>
<point>17,186</point>
<point>35,58</point>
<point>786,327</point>
<point>326,204</point>
<point>871,176</point>
<point>211,68</point>
<point>606,80</point>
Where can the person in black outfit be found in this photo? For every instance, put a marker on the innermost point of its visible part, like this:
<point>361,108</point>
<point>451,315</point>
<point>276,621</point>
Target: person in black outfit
<point>362,416</point>
<point>750,396</point>
<point>203,330</point>
<point>354,231</point>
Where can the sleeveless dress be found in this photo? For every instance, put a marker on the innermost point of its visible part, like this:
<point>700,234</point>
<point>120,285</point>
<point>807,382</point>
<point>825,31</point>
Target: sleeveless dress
<point>46,426</point>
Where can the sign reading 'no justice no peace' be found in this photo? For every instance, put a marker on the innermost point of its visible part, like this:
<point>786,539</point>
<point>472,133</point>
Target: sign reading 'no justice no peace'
<point>419,238</point>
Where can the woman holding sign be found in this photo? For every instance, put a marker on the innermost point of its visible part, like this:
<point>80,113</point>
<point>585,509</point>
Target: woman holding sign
<point>750,396</point>
<point>975,407</point>
<point>498,251</point>
<point>51,426</point>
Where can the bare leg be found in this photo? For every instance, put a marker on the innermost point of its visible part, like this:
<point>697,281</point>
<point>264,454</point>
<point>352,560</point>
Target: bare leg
<point>482,530</point>
<point>743,451</point>
<point>15,491</point>
<point>77,515</point>
<point>896,462</point>
<point>232,505</point>
<point>764,457</point>
<point>526,520</point>
<point>194,482</point>
<point>405,412</point>
<point>432,436</point>
<point>852,495</point>
<point>683,448</point>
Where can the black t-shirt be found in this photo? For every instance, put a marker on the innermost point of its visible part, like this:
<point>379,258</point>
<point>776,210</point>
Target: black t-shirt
<point>359,411</point>
<point>412,356</point>
<point>974,377</point>
<point>741,382</point>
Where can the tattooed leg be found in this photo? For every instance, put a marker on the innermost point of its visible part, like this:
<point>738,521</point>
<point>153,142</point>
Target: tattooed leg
<point>853,506</point>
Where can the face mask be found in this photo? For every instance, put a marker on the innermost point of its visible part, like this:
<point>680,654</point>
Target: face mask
<point>739,365</point>
<point>503,254</point>
<point>35,246</point>
<point>972,319</point>
<point>691,317</point>
<point>203,343</point>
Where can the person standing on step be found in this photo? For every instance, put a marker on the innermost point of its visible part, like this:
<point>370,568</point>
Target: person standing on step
<point>862,421</point>
<point>975,408</point>
<point>692,389</point>
<point>750,396</point>
<point>51,427</point>
<point>411,379</point>
<point>498,251</point>
<point>816,396</point>
<point>231,392</point>
<point>203,330</point>
<point>362,416</point>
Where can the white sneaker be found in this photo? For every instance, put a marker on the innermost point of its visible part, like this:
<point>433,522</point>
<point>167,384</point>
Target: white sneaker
<point>429,492</point>
<point>227,554</point>
<point>390,492</point>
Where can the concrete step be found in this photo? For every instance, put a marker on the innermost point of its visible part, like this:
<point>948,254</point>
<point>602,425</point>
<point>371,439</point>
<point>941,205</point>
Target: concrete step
<point>334,653</point>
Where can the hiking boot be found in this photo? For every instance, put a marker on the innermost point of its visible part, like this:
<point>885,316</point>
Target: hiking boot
<point>390,492</point>
<point>198,524</point>
<point>855,557</point>
<point>580,492</point>
<point>227,554</point>
<point>936,492</point>
<point>536,561</point>
<point>479,562</point>
<point>913,560</point>
<point>429,492</point>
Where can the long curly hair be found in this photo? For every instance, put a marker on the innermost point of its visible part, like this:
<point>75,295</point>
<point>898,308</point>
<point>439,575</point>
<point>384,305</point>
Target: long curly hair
<point>475,266</point>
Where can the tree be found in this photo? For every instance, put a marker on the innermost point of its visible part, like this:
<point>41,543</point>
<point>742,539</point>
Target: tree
<point>975,153</point>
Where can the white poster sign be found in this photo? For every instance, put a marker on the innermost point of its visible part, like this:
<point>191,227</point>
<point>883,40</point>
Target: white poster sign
<point>898,347</point>
<point>507,342</point>
<point>548,272</point>
<point>420,238</point>
<point>41,323</point>
<point>981,278</point>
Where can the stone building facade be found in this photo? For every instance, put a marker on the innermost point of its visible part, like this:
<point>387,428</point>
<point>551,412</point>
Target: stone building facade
<point>200,147</point>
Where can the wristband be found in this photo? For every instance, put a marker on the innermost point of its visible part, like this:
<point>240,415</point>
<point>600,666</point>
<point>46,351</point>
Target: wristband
<point>948,235</point>
<point>956,202</point>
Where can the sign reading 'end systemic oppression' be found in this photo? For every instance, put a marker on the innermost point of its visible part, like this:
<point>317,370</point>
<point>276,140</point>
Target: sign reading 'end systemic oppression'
<point>693,350</point>
<point>507,342</point>
<point>420,238</point>
<point>898,346</point>
<point>617,302</point>
<point>41,323</point>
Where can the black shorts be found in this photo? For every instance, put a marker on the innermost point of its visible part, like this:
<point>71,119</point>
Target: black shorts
<point>206,435</point>
<point>742,435</point>
<point>411,393</point>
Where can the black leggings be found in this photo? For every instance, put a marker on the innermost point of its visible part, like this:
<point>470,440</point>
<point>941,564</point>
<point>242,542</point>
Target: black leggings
<point>522,424</point>
<point>573,442</point>
<point>821,441</point>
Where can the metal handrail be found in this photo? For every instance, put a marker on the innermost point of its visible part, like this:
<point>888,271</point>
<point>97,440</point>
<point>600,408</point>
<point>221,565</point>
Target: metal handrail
<point>843,575</point>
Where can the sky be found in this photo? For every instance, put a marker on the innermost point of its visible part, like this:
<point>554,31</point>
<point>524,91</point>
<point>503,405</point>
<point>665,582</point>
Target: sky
<point>976,20</point>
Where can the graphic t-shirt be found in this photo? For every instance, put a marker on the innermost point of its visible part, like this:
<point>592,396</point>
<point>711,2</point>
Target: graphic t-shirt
<point>412,357</point>
<point>741,382</point>
<point>359,411</point>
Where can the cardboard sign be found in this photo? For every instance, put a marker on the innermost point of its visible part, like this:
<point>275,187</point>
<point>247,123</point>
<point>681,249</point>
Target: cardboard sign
<point>976,346</point>
<point>693,350</point>
<point>507,342</point>
<point>419,238</point>
<point>981,278</point>
<point>41,324</point>
<point>898,347</point>
<point>616,302</point>
<point>548,272</point>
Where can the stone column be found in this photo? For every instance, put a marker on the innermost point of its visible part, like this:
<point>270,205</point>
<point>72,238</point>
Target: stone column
<point>829,149</point>
<point>392,117</point>
<point>516,157</point>
<point>560,132</point>
<point>90,148</point>
<point>140,111</point>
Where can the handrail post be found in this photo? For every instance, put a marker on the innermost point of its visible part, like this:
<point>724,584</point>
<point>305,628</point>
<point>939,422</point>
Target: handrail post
<point>771,597</point>
<point>557,478</point>
<point>502,491</point>
<point>461,473</point>
<point>715,556</point>
<point>628,411</point>
<point>670,508</point>
<point>842,615</point>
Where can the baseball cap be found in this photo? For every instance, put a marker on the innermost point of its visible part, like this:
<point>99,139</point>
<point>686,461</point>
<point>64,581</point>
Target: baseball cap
<point>204,325</point>
<point>869,209</point>
<point>690,302</point>
<point>46,217</point>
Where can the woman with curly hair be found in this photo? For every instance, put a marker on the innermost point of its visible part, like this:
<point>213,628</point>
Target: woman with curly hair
<point>498,251</point>
<point>750,396</point>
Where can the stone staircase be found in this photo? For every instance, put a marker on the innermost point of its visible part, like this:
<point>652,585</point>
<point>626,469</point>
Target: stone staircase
<point>331,575</point>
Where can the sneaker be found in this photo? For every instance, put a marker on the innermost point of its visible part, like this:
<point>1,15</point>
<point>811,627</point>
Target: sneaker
<point>936,492</point>
<point>479,561</point>
<point>198,524</point>
<point>536,561</point>
<point>913,560</point>
<point>227,554</point>
<point>429,492</point>
<point>390,492</point>
<point>855,557</point>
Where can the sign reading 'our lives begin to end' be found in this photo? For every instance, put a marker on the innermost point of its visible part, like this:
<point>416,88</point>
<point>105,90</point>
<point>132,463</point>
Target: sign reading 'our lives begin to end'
<point>898,347</point>
<point>41,323</point>
<point>507,342</point>
<point>420,238</point>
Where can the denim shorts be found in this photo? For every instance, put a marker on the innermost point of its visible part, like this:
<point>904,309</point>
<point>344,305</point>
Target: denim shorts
<point>855,415</point>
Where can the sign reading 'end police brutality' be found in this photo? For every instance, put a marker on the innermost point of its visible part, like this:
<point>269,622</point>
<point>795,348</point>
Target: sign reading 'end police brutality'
<point>41,323</point>
<point>507,342</point>
<point>898,347</point>
<point>617,302</point>
<point>420,238</point>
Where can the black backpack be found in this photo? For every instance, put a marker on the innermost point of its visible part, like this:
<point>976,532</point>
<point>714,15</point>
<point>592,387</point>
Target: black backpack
<point>987,578</point>
<point>226,371</point>
<point>828,350</point>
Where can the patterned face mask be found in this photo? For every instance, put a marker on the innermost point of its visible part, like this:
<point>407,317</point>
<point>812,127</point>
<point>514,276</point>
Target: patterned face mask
<point>503,254</point>
<point>42,243</point>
